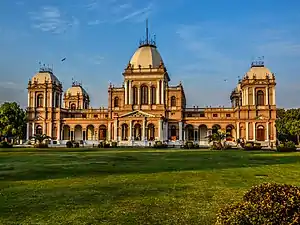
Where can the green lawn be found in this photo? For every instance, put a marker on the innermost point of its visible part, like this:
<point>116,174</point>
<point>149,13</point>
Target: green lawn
<point>132,186</point>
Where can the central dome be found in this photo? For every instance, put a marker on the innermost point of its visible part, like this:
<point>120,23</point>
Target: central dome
<point>145,56</point>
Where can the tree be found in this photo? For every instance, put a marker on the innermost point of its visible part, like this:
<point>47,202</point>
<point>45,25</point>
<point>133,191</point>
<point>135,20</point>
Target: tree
<point>12,120</point>
<point>40,138</point>
<point>218,138</point>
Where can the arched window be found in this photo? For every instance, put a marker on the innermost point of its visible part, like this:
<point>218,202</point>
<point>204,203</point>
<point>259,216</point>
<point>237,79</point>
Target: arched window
<point>39,100</point>
<point>260,99</point>
<point>102,132</point>
<point>153,95</point>
<point>73,106</point>
<point>173,101</point>
<point>39,130</point>
<point>173,131</point>
<point>260,136</point>
<point>135,95</point>
<point>144,95</point>
<point>116,102</point>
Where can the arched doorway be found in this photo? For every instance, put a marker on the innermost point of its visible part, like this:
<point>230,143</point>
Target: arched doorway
<point>102,132</point>
<point>215,128</point>
<point>78,133</point>
<point>229,132</point>
<point>90,131</point>
<point>260,133</point>
<point>151,132</point>
<point>137,132</point>
<point>189,132</point>
<point>173,132</point>
<point>124,132</point>
<point>203,135</point>
<point>66,132</point>
<point>39,130</point>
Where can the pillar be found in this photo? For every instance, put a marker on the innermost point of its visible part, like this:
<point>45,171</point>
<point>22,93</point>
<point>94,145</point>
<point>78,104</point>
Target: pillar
<point>157,92</point>
<point>166,129</point>
<point>180,131</point>
<point>130,131</point>
<point>52,103</point>
<point>44,128</point>
<point>34,100</point>
<point>51,129</point>
<point>247,130</point>
<point>33,129</point>
<point>116,130</point>
<point>160,127</point>
<point>45,99</point>
<point>58,131</point>
<point>129,92</point>
<point>125,91</point>
<point>247,96</point>
<point>139,95</point>
<point>27,131</point>
<point>254,95</point>
<point>162,92</point>
<point>274,132</point>
<point>237,130</point>
<point>267,96</point>
<point>28,101</point>
<point>149,95</point>
<point>267,126</point>
<point>254,131</point>
<point>109,131</point>
<point>143,130</point>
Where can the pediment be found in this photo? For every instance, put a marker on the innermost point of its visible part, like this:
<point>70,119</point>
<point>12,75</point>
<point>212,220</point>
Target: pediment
<point>260,117</point>
<point>137,114</point>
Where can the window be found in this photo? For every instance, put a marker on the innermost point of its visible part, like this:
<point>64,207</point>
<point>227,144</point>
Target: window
<point>39,130</point>
<point>144,95</point>
<point>39,100</point>
<point>228,115</point>
<point>260,133</point>
<point>116,102</point>
<point>57,100</point>
<point>173,101</point>
<point>189,114</point>
<point>153,95</point>
<point>83,115</point>
<point>95,116</point>
<point>173,131</point>
<point>260,98</point>
<point>73,106</point>
<point>135,95</point>
<point>202,115</point>
<point>215,115</point>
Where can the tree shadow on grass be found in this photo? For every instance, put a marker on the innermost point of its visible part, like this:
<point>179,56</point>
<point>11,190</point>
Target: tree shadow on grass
<point>52,166</point>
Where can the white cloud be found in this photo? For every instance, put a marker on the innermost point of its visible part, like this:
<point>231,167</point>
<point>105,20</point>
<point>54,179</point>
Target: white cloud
<point>50,19</point>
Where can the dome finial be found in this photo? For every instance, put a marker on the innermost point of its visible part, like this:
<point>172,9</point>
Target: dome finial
<point>148,41</point>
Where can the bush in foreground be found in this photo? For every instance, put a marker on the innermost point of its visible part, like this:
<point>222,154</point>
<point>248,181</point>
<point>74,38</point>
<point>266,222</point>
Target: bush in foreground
<point>252,146</point>
<point>5,144</point>
<point>286,147</point>
<point>271,204</point>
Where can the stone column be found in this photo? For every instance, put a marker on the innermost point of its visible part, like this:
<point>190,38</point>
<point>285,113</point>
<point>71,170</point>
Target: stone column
<point>254,95</point>
<point>27,131</point>
<point>149,95</point>
<point>130,131</point>
<point>237,130</point>
<point>267,96</point>
<point>33,129</point>
<point>51,99</point>
<point>166,131</point>
<point>139,95</point>
<point>44,128</point>
<point>162,92</point>
<point>274,97</point>
<point>109,131</point>
<point>254,131</point>
<point>160,130</point>
<point>51,129</point>
<point>267,126</point>
<point>143,130</point>
<point>180,131</point>
<point>247,96</point>
<point>274,132</point>
<point>157,93</point>
<point>125,92</point>
<point>58,131</point>
<point>129,92</point>
<point>247,130</point>
<point>116,130</point>
<point>34,100</point>
<point>28,102</point>
<point>45,99</point>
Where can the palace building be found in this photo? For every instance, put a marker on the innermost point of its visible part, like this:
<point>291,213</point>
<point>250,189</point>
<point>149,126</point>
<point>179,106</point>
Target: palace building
<point>147,107</point>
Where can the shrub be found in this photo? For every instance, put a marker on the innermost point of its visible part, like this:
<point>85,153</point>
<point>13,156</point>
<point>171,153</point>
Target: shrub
<point>196,146</point>
<point>101,144</point>
<point>106,145</point>
<point>41,145</point>
<point>189,145</point>
<point>69,144</point>
<point>76,145</point>
<point>227,146</point>
<point>114,144</point>
<point>5,144</point>
<point>264,204</point>
<point>216,146</point>
<point>252,146</point>
<point>286,147</point>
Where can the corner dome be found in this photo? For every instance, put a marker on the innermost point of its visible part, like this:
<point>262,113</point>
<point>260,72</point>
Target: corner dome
<point>259,72</point>
<point>43,76</point>
<point>145,56</point>
<point>75,90</point>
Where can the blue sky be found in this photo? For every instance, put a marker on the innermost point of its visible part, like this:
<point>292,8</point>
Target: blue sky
<point>202,43</point>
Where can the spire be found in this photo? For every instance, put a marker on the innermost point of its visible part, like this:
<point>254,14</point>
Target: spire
<point>147,32</point>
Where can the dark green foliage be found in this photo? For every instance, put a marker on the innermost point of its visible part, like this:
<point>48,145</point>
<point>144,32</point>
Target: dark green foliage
<point>106,145</point>
<point>196,146</point>
<point>250,145</point>
<point>267,203</point>
<point>286,147</point>
<point>101,144</point>
<point>41,145</point>
<point>189,145</point>
<point>12,120</point>
<point>159,144</point>
<point>76,145</point>
<point>227,146</point>
<point>69,144</point>
<point>114,144</point>
<point>5,144</point>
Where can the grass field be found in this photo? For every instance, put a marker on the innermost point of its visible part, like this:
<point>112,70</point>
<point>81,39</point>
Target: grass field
<point>135,186</point>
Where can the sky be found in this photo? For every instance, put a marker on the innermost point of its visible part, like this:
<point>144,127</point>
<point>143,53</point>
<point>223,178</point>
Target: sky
<point>202,43</point>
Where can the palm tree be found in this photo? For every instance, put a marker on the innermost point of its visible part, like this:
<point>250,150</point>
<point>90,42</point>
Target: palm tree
<point>40,138</point>
<point>218,138</point>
